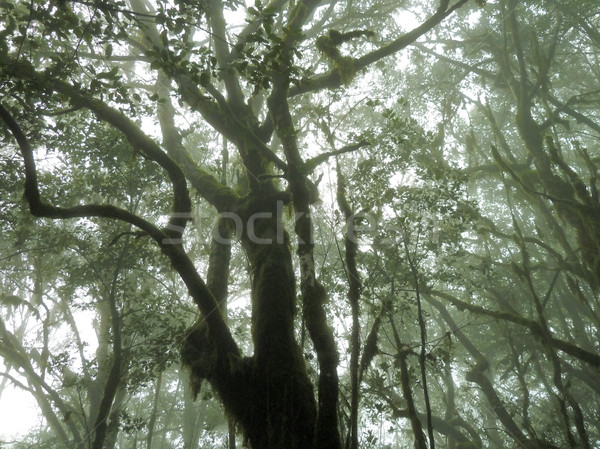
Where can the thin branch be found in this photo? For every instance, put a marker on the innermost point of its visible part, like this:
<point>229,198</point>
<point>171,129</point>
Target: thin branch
<point>214,14</point>
<point>569,348</point>
<point>423,334</point>
<point>323,157</point>
<point>413,415</point>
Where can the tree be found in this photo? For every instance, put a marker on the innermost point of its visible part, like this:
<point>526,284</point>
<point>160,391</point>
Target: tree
<point>119,63</point>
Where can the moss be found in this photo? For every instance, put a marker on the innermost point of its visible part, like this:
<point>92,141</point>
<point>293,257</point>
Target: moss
<point>199,355</point>
<point>346,70</point>
<point>328,45</point>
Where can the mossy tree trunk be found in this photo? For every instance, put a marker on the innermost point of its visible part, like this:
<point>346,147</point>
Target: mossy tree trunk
<point>269,394</point>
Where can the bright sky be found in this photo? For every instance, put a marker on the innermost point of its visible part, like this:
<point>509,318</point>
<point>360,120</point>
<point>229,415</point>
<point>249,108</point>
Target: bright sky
<point>18,413</point>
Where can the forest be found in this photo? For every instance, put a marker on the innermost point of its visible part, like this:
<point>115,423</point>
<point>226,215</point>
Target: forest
<point>316,224</point>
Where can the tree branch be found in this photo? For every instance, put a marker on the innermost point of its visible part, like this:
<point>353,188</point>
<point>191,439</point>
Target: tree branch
<point>313,162</point>
<point>214,13</point>
<point>138,139</point>
<point>40,208</point>
<point>331,80</point>
<point>569,348</point>
<point>220,196</point>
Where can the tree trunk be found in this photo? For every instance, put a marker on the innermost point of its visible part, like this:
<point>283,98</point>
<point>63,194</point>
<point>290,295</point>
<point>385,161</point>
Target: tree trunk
<point>269,394</point>
<point>152,420</point>
<point>191,433</point>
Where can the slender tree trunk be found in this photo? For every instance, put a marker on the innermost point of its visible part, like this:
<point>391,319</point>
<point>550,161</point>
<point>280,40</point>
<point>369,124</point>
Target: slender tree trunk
<point>113,382</point>
<point>351,248</point>
<point>103,359</point>
<point>114,419</point>
<point>190,416</point>
<point>231,435</point>
<point>152,420</point>
<point>110,391</point>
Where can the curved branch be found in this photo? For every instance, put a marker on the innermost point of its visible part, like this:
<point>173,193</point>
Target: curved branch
<point>136,137</point>
<point>312,163</point>
<point>40,208</point>
<point>181,200</point>
<point>176,254</point>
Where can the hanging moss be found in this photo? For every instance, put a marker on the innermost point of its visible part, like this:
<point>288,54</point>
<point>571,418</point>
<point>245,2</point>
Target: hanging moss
<point>328,45</point>
<point>199,355</point>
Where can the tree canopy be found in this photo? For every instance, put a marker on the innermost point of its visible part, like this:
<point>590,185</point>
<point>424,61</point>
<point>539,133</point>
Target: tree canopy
<point>301,224</point>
